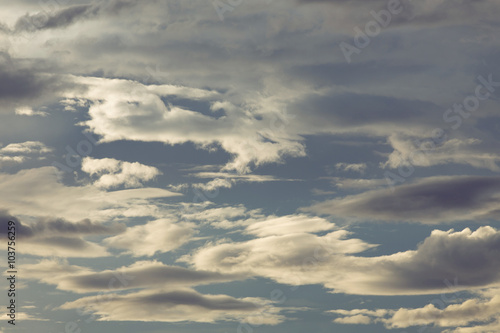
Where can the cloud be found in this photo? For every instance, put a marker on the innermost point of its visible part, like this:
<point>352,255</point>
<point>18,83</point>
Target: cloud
<point>227,180</point>
<point>290,224</point>
<point>25,84</point>
<point>157,236</point>
<point>60,238</point>
<point>178,306</point>
<point>357,183</point>
<point>221,217</point>
<point>472,315</point>
<point>430,200</point>
<point>356,319</point>
<point>141,115</point>
<point>282,255</point>
<point>27,111</point>
<point>329,260</point>
<point>22,316</point>
<point>430,13</point>
<point>356,167</point>
<point>139,275</point>
<point>412,151</point>
<point>17,153</point>
<point>59,18</point>
<point>50,197</point>
<point>113,173</point>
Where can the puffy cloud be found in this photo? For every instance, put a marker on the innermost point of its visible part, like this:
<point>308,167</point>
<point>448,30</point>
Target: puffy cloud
<point>283,255</point>
<point>430,200</point>
<point>472,315</point>
<point>178,306</point>
<point>303,258</point>
<point>161,236</point>
<point>16,153</point>
<point>141,115</point>
<point>112,173</point>
<point>227,180</point>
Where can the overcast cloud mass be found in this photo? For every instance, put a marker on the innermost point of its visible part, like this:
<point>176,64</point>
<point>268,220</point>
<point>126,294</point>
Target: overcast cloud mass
<point>250,166</point>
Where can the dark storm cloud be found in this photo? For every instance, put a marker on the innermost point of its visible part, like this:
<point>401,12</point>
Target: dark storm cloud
<point>430,200</point>
<point>67,16</point>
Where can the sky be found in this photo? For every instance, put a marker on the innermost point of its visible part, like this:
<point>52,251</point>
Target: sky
<point>251,166</point>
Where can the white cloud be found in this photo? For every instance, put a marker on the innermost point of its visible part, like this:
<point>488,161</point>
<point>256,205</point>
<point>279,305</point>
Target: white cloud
<point>157,236</point>
<point>17,153</point>
<point>356,167</point>
<point>48,196</point>
<point>356,319</point>
<point>113,173</point>
<point>425,153</point>
<point>289,224</point>
<point>357,183</point>
<point>27,111</point>
<point>473,315</point>
<point>141,115</point>
<point>304,258</point>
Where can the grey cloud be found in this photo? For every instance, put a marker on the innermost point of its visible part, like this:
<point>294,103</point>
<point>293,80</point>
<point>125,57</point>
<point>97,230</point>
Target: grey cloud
<point>424,12</point>
<point>189,297</point>
<point>69,15</point>
<point>472,258</point>
<point>58,237</point>
<point>430,200</point>
<point>350,109</point>
<point>143,275</point>
<point>178,306</point>
<point>25,83</point>
<point>57,226</point>
<point>447,261</point>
